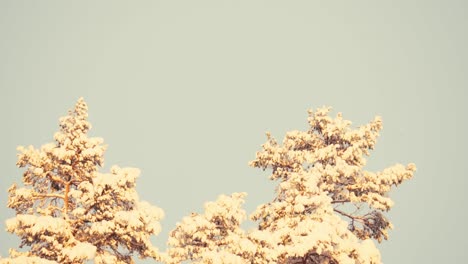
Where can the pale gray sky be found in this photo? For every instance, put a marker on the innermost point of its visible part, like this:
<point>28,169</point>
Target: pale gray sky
<point>185,90</point>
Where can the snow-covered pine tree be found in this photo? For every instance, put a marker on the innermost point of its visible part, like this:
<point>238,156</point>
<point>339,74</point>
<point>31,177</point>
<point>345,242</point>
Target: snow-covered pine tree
<point>68,212</point>
<point>327,208</point>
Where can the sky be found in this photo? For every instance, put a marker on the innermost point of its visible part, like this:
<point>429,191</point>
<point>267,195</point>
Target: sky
<point>185,91</point>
